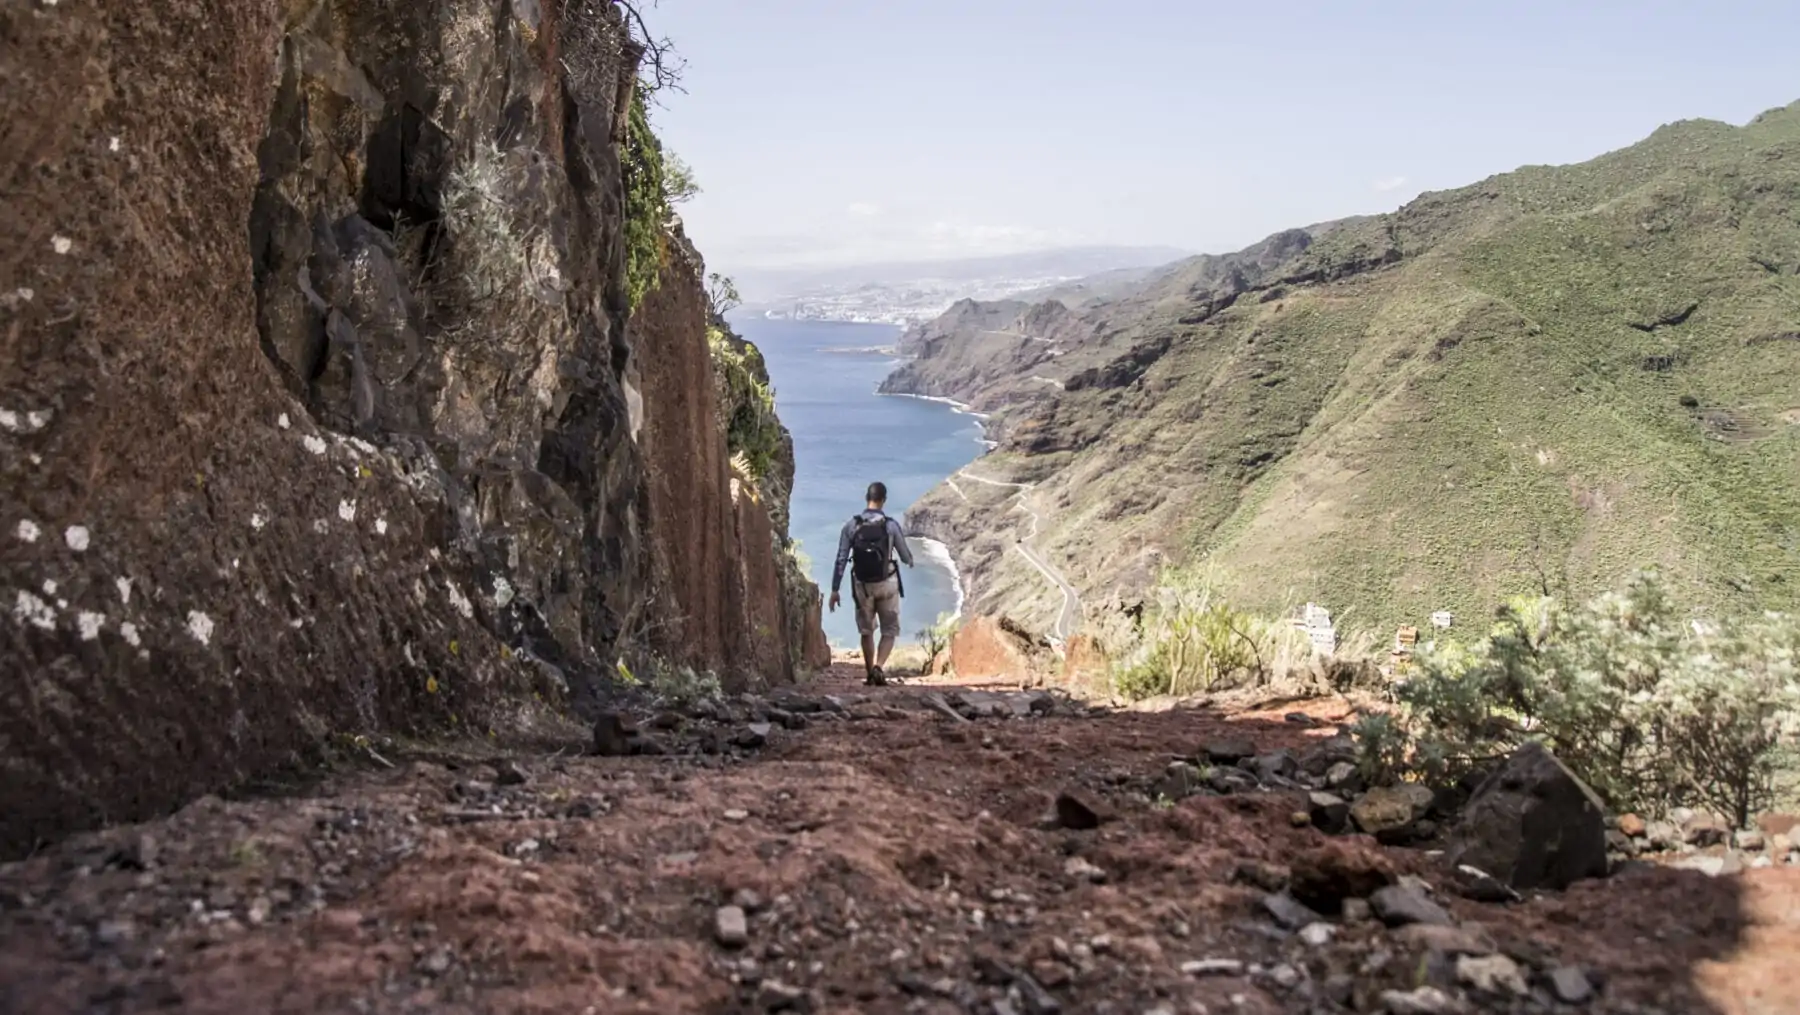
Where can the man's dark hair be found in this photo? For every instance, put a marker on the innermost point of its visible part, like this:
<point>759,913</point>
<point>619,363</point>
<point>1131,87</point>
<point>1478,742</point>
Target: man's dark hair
<point>877,493</point>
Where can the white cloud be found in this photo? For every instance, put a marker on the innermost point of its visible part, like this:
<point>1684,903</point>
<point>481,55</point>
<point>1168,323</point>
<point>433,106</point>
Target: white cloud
<point>1389,183</point>
<point>863,209</point>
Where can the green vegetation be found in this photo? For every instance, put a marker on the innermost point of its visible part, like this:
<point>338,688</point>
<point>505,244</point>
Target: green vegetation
<point>1191,641</point>
<point>936,637</point>
<point>753,433</point>
<point>1653,709</point>
<point>1544,381</point>
<point>656,180</point>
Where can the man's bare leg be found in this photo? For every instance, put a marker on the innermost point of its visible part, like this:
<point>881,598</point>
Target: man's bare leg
<point>868,649</point>
<point>887,647</point>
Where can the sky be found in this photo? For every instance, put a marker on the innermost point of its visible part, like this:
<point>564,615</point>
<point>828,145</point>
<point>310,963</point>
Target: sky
<point>832,132</point>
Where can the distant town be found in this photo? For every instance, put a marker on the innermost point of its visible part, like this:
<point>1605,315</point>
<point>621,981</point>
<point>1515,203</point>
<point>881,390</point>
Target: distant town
<point>899,303</point>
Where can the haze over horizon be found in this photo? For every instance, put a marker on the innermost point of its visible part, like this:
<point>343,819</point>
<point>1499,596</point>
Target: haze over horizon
<point>827,134</point>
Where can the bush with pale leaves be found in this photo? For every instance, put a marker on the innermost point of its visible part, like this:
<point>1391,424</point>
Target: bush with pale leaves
<point>1652,709</point>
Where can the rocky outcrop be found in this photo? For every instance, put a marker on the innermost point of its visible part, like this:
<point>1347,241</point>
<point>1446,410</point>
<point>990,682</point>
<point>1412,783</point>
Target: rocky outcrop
<point>320,411</point>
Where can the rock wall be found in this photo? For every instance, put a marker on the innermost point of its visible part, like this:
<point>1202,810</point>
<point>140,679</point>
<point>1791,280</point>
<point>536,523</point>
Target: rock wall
<point>318,407</point>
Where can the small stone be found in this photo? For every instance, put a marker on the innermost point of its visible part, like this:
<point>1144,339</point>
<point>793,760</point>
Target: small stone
<point>1398,905</point>
<point>1388,812</point>
<point>773,995</point>
<point>1358,911</point>
<point>508,773</point>
<point>1180,781</point>
<point>1227,780</point>
<point>1703,830</point>
<point>754,735</point>
<point>1434,937</point>
<point>613,734</point>
<point>1328,812</point>
<point>731,927</point>
<point>1423,1001</point>
<point>735,814</point>
<point>1344,778</point>
<point>748,900</point>
<point>1492,974</point>
<point>1711,866</point>
<point>1749,841</point>
<point>1477,884</point>
<point>1288,912</point>
<point>1571,985</point>
<point>1081,870</point>
<point>1213,967</point>
<point>1318,935</point>
<point>435,962</point>
<point>1036,999</point>
<point>1270,877</point>
<point>1075,813</point>
<point>1277,766</point>
<point>1662,835</point>
<point>1632,825</point>
<point>113,933</point>
<point>1285,976</point>
<point>1299,819</point>
<point>1229,751</point>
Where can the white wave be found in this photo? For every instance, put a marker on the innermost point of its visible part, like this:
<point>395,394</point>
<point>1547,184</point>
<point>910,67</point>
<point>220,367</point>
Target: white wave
<point>938,554</point>
<point>961,407</point>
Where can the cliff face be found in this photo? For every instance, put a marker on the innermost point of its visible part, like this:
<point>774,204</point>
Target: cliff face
<point>320,410</point>
<point>1552,377</point>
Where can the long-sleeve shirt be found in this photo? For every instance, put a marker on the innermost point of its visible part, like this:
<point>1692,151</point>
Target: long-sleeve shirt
<point>896,536</point>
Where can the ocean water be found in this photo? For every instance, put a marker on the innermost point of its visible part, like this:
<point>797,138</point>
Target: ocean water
<point>845,436</point>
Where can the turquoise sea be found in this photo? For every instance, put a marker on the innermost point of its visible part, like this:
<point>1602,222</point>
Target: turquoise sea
<point>845,435</point>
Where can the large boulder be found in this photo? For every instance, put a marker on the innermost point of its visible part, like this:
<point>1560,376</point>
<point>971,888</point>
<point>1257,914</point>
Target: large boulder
<point>1532,824</point>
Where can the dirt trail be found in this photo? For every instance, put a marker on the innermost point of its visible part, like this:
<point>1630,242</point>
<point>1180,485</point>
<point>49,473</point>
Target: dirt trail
<point>1069,616</point>
<point>889,857</point>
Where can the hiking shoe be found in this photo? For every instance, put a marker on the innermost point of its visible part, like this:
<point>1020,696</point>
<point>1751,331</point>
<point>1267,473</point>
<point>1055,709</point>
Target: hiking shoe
<point>876,677</point>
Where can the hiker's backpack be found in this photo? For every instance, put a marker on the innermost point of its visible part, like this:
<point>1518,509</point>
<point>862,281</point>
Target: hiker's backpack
<point>871,549</point>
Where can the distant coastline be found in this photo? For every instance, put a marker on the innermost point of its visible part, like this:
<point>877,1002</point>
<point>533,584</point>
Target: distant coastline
<point>863,350</point>
<point>937,553</point>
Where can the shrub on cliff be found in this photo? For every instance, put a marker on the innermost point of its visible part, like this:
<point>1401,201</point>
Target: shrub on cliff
<point>1653,710</point>
<point>753,433</point>
<point>656,180</point>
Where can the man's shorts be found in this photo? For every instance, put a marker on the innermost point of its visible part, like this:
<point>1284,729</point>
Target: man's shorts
<point>877,600</point>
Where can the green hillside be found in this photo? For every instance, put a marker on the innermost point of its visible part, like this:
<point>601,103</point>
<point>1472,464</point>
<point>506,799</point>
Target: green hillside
<point>1548,378</point>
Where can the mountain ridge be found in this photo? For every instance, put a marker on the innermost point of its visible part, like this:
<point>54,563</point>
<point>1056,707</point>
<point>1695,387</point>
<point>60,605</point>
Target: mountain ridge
<point>1544,378</point>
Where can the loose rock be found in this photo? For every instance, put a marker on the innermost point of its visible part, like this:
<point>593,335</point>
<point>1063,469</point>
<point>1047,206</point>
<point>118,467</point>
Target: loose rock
<point>1449,940</point>
<point>1533,824</point>
<point>1318,935</point>
<point>1229,752</point>
<point>1632,825</point>
<point>1213,967</point>
<point>1492,974</point>
<point>754,735</point>
<point>1423,1001</point>
<point>1388,812</point>
<point>1288,912</point>
<point>1398,905</point>
<point>613,734</point>
<point>731,927</point>
<point>1075,813</point>
<point>1571,985</point>
<point>1329,812</point>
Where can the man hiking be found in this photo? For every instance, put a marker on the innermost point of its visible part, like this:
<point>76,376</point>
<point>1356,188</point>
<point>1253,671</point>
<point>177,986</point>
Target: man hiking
<point>869,542</point>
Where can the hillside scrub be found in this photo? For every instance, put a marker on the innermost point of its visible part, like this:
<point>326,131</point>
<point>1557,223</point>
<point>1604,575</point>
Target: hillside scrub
<point>1190,640</point>
<point>1654,710</point>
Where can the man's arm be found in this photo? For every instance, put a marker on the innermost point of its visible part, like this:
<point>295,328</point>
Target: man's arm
<point>843,555</point>
<point>898,535</point>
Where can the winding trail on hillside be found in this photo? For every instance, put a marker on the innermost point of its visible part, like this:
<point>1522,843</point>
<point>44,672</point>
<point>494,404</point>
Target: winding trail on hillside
<point>1069,615</point>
